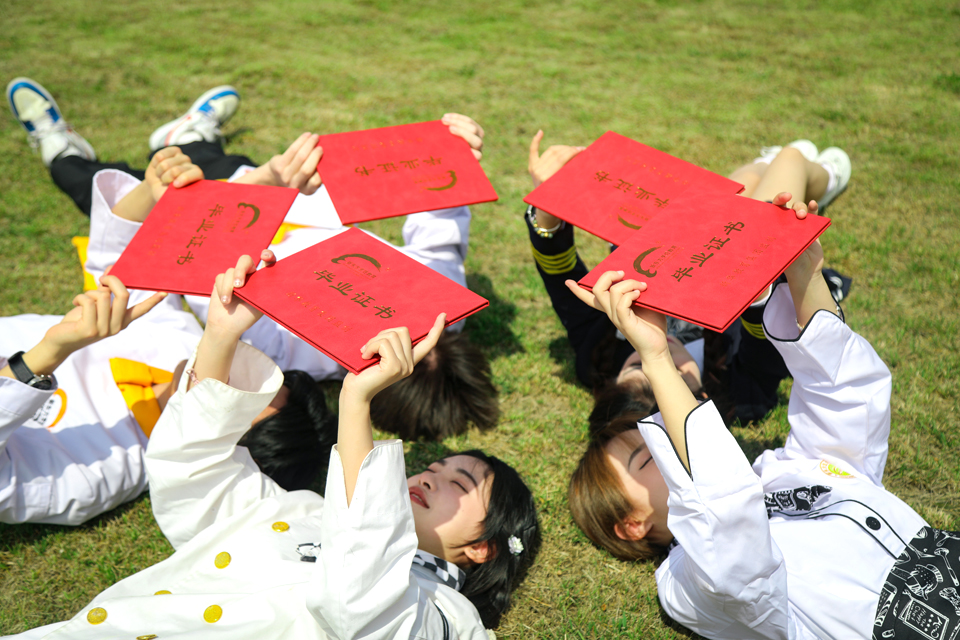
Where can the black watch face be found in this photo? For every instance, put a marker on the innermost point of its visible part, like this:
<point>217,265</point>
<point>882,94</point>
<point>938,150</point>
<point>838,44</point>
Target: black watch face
<point>44,384</point>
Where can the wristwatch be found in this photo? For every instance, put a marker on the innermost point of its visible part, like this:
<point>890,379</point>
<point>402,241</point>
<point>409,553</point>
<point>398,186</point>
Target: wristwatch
<point>24,375</point>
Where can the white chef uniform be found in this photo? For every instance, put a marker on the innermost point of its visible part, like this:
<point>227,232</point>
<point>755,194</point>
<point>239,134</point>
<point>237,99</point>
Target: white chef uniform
<point>76,451</point>
<point>237,570</point>
<point>799,544</point>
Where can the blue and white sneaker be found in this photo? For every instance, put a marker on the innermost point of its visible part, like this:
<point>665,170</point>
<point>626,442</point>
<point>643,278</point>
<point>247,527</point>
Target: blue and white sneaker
<point>40,116</point>
<point>806,148</point>
<point>201,122</point>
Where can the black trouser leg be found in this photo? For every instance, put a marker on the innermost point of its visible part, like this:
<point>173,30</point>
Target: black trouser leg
<point>756,369</point>
<point>74,176</point>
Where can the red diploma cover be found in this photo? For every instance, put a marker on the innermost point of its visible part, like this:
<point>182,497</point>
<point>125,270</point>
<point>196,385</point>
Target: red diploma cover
<point>341,292</point>
<point>617,185</point>
<point>710,258</point>
<point>393,171</point>
<point>199,231</point>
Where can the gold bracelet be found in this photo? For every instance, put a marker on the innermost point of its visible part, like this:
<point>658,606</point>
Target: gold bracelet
<point>543,233</point>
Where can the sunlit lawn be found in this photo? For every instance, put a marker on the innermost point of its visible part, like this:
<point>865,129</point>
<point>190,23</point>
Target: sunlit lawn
<point>709,81</point>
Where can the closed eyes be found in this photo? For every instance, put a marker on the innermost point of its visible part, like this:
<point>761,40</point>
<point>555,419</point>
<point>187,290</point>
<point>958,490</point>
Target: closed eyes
<point>459,484</point>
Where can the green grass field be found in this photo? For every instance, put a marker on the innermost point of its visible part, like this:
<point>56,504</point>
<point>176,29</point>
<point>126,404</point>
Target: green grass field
<point>710,81</point>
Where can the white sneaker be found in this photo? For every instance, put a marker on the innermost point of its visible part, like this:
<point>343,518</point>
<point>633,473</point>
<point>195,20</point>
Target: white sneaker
<point>807,148</point>
<point>40,116</point>
<point>201,122</point>
<point>837,164</point>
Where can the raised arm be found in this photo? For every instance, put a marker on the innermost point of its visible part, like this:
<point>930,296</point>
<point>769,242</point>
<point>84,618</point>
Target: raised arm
<point>368,527</point>
<point>554,251</point>
<point>168,167</point>
<point>728,571</point>
<point>38,472</point>
<point>295,168</point>
<point>439,239</point>
<point>95,315</point>
<point>397,359</point>
<point>467,128</point>
<point>840,401</point>
<point>18,403</point>
<point>197,473</point>
<point>646,331</point>
<point>120,203</point>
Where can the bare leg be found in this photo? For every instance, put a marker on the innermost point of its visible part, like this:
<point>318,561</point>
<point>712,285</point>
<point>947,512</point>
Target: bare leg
<point>790,172</point>
<point>793,173</point>
<point>749,175</point>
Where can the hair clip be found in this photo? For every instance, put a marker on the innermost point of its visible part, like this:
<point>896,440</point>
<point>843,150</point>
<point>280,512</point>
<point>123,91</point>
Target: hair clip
<point>515,546</point>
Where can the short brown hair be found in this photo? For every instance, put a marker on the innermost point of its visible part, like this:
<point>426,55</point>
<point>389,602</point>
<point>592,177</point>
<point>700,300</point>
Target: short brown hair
<point>615,399</point>
<point>597,498</point>
<point>448,390</point>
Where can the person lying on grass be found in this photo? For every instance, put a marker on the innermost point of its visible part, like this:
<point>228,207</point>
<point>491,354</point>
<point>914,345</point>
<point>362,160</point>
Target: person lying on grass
<point>451,390</point>
<point>605,362</point>
<point>806,542</point>
<point>81,393</point>
<point>436,555</point>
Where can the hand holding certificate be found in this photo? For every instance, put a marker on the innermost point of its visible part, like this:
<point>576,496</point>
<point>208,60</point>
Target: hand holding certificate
<point>340,293</point>
<point>195,230</point>
<point>393,171</point>
<point>707,263</point>
<point>616,186</point>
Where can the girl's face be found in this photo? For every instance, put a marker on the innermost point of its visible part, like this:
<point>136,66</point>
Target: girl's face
<point>632,370</point>
<point>449,502</point>
<point>644,487</point>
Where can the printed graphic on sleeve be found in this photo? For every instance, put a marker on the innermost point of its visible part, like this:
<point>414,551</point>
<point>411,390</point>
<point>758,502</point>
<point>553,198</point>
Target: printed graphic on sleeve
<point>919,598</point>
<point>792,500</point>
<point>832,470</point>
<point>50,412</point>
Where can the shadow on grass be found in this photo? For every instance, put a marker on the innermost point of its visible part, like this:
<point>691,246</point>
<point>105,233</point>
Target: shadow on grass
<point>491,328</point>
<point>562,354</point>
<point>235,135</point>
<point>422,454</point>
<point>676,626</point>
<point>13,536</point>
<point>753,447</point>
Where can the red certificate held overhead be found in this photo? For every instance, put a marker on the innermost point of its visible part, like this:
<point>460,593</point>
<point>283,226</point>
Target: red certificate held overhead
<point>195,232</point>
<point>341,292</point>
<point>709,259</point>
<point>617,185</point>
<point>393,171</point>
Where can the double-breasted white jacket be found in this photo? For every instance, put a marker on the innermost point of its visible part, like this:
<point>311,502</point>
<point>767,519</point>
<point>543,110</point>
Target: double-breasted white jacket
<point>238,570</point>
<point>74,452</point>
<point>797,545</point>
